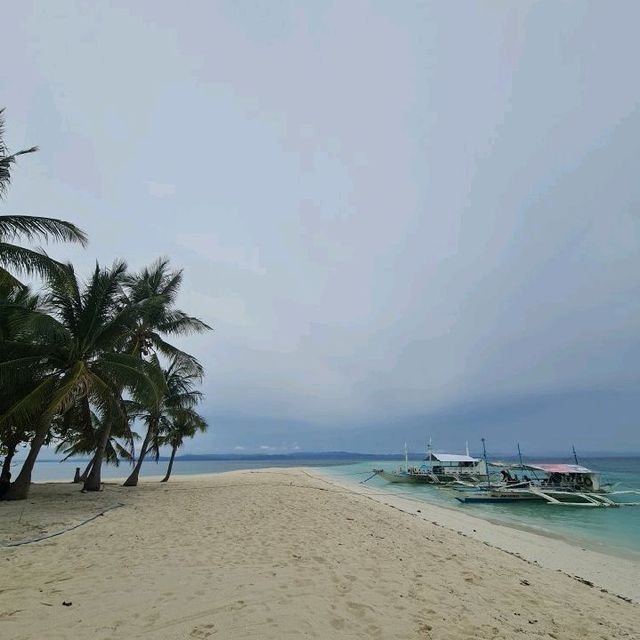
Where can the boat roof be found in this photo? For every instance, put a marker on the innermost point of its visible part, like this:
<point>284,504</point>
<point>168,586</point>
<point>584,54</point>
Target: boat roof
<point>449,457</point>
<point>557,468</point>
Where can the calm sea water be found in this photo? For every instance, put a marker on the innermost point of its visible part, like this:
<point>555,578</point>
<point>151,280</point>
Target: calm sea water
<point>612,530</point>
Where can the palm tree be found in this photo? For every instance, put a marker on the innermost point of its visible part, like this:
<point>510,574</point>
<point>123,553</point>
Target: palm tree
<point>76,349</point>
<point>17,304</point>
<point>20,259</point>
<point>158,411</point>
<point>183,424</point>
<point>154,291</point>
<point>73,439</point>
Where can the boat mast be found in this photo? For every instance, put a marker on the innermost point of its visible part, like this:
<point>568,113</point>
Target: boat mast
<point>486,464</point>
<point>535,475</point>
<point>406,456</point>
<point>575,457</point>
<point>520,454</point>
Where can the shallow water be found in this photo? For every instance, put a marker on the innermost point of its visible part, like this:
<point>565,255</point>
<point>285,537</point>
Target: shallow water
<point>611,530</point>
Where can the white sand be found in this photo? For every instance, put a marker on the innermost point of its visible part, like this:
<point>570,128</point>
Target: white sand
<point>275,554</point>
<point>615,573</point>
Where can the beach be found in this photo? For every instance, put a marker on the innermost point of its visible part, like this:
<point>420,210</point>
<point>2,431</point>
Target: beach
<point>288,553</point>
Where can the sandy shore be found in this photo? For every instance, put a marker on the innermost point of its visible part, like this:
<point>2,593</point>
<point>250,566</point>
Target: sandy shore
<point>617,574</point>
<point>279,554</point>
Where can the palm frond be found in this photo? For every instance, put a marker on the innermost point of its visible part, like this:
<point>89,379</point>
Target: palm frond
<point>7,159</point>
<point>27,261</point>
<point>31,228</point>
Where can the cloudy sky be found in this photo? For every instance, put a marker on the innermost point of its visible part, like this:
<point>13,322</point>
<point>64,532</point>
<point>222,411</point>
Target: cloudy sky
<point>402,219</point>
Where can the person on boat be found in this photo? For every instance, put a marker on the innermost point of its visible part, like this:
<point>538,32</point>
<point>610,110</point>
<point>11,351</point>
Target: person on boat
<point>507,478</point>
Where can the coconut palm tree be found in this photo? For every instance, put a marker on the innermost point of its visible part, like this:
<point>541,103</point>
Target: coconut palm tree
<point>17,304</point>
<point>157,411</point>
<point>74,439</point>
<point>154,291</point>
<point>16,258</point>
<point>77,352</point>
<point>183,424</point>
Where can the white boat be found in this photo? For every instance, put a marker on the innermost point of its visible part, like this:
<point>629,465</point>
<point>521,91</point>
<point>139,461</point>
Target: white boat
<point>449,468</point>
<point>440,468</point>
<point>555,484</point>
<point>399,474</point>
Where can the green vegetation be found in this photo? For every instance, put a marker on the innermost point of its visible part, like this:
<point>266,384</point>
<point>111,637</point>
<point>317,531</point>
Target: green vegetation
<point>82,363</point>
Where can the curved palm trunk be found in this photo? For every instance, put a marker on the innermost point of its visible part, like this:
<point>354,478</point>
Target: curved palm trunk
<point>5,474</point>
<point>93,481</point>
<point>173,455</point>
<point>132,480</point>
<point>85,474</point>
<point>19,489</point>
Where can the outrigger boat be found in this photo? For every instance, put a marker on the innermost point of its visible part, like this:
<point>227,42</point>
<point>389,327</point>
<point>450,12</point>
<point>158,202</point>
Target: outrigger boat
<point>439,468</point>
<point>399,474</point>
<point>562,484</point>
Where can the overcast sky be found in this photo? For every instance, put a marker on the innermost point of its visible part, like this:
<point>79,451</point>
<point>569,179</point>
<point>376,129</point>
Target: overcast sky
<point>403,219</point>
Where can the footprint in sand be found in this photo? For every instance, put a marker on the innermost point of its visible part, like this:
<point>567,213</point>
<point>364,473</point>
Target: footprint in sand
<point>203,631</point>
<point>337,623</point>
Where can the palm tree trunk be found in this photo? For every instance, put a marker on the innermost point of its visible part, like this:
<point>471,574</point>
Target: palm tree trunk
<point>173,455</point>
<point>93,481</point>
<point>19,489</point>
<point>132,480</point>
<point>5,474</point>
<point>85,474</point>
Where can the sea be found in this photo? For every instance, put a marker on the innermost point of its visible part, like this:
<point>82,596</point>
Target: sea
<point>614,531</point>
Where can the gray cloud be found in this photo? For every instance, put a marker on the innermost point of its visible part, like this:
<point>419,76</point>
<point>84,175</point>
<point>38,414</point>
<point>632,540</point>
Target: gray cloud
<point>391,214</point>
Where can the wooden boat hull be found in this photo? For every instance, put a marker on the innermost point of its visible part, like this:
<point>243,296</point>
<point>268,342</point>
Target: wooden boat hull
<point>395,477</point>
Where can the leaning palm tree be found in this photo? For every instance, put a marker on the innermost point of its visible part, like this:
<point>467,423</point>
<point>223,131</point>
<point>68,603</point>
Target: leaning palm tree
<point>16,258</point>
<point>76,350</point>
<point>75,439</point>
<point>153,293</point>
<point>157,410</point>
<point>184,423</point>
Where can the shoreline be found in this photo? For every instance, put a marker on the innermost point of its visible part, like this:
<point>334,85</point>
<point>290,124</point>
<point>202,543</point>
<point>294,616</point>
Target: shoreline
<point>280,553</point>
<point>615,572</point>
<point>615,551</point>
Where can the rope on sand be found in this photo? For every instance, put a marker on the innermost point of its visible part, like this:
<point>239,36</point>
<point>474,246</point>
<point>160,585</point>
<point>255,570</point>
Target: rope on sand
<point>66,530</point>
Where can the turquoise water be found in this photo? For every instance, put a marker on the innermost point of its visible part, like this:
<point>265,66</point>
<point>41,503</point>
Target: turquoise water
<point>609,530</point>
